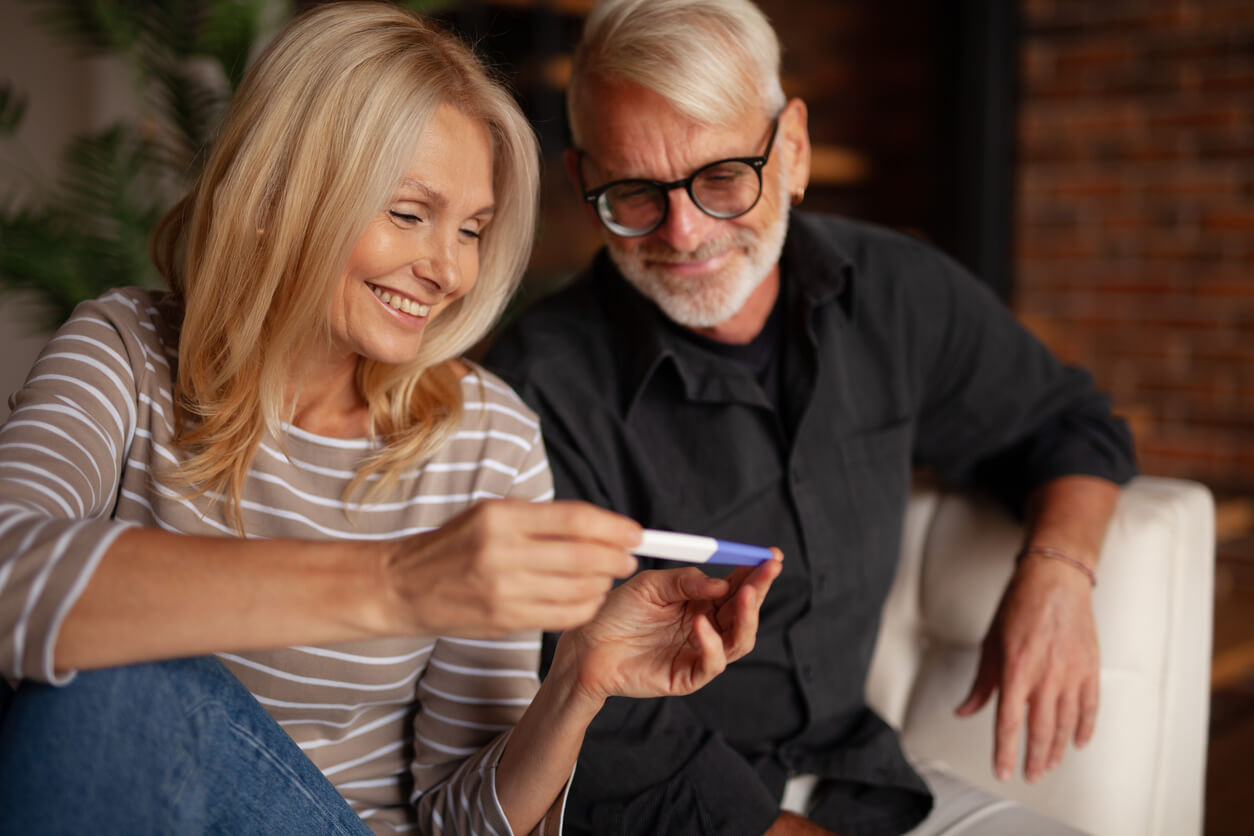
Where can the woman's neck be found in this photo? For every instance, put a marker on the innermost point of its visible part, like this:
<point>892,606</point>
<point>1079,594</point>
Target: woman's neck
<point>325,399</point>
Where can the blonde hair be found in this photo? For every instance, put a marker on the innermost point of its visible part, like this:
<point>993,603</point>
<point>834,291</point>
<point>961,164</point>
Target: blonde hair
<point>712,60</point>
<point>313,146</point>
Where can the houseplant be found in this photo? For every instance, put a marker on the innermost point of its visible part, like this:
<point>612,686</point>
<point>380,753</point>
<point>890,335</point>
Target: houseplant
<point>86,228</point>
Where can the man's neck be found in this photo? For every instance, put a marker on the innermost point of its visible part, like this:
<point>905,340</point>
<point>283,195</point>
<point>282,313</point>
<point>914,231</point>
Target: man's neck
<point>747,322</point>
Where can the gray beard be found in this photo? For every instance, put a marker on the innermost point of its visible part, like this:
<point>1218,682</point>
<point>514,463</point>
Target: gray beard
<point>710,300</point>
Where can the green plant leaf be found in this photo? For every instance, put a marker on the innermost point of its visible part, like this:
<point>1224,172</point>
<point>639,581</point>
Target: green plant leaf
<point>231,28</point>
<point>94,27</point>
<point>93,233</point>
<point>12,109</point>
<point>428,7</point>
<point>192,109</point>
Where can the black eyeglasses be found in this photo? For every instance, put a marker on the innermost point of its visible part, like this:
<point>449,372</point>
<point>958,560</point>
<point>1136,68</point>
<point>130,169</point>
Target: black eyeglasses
<point>722,189</point>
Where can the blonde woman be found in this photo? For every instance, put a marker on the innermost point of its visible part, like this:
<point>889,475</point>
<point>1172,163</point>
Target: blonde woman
<point>270,554</point>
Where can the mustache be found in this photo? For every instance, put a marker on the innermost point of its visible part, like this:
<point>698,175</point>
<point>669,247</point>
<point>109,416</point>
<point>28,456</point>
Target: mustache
<point>666,254</point>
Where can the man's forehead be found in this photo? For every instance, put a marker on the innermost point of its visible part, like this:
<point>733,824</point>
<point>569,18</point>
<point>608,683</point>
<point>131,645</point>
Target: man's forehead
<point>658,145</point>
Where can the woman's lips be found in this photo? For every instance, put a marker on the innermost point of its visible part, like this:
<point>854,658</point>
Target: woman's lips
<point>396,301</point>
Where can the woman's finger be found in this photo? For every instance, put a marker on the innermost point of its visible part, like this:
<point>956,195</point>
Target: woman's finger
<point>711,659</point>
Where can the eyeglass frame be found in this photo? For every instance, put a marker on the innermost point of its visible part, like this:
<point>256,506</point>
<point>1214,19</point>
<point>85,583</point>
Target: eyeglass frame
<point>757,163</point>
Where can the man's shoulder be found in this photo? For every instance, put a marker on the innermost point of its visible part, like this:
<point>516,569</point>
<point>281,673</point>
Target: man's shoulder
<point>862,242</point>
<point>889,267</point>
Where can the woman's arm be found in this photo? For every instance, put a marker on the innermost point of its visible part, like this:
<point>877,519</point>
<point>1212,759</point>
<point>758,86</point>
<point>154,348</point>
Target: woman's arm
<point>661,634</point>
<point>500,567</point>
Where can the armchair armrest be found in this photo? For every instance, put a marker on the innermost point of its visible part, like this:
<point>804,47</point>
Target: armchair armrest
<point>1143,772</point>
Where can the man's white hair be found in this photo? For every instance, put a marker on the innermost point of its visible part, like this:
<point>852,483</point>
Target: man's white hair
<point>712,60</point>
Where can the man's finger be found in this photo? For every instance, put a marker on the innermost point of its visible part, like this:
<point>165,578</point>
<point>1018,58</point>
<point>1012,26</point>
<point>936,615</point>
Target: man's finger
<point>1068,718</point>
<point>1042,724</point>
<point>1089,701</point>
<point>1011,705</point>
<point>983,686</point>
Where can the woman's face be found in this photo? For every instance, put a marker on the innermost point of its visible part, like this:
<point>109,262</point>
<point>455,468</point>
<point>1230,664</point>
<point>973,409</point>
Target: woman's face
<point>421,251</point>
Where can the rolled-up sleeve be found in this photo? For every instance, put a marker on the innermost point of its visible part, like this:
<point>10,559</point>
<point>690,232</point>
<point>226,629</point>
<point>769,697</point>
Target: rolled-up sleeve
<point>998,409</point>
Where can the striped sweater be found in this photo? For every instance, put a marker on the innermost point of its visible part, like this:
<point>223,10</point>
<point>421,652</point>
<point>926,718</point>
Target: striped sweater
<point>408,729</point>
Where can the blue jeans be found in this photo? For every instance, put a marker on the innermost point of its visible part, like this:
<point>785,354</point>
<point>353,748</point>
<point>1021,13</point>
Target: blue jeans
<point>164,748</point>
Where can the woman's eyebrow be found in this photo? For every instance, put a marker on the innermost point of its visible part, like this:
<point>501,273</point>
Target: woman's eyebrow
<point>438,200</point>
<point>430,195</point>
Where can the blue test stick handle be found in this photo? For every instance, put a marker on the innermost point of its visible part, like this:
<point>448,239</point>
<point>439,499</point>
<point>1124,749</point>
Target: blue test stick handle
<point>740,554</point>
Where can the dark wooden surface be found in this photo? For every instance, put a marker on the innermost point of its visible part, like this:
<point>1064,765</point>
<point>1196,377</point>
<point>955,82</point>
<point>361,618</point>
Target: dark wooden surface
<point>1230,757</point>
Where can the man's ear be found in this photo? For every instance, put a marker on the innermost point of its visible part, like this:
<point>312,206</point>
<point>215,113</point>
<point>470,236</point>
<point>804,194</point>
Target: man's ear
<point>794,136</point>
<point>570,157</point>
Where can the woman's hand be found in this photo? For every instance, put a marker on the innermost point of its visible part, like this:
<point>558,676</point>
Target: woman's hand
<point>505,566</point>
<point>666,633</point>
<point>660,634</point>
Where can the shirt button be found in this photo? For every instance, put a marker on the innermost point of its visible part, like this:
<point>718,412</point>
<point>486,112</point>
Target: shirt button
<point>807,673</point>
<point>821,580</point>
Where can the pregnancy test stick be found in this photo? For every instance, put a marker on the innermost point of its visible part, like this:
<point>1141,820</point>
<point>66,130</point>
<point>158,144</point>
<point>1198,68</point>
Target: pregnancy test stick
<point>693,548</point>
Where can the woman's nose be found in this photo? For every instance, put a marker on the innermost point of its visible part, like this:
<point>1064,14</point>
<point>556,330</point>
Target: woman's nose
<point>437,266</point>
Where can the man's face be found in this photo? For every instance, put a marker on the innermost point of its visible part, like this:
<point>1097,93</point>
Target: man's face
<point>698,269</point>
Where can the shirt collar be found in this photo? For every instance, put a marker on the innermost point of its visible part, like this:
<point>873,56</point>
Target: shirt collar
<point>817,266</point>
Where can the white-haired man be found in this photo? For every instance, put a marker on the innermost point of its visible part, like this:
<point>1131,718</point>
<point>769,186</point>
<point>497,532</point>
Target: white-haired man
<point>731,366</point>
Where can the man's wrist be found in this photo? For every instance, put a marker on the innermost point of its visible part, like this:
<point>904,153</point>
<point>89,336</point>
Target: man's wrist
<point>1035,551</point>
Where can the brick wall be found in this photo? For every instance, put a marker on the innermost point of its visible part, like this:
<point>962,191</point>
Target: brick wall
<point>1135,223</point>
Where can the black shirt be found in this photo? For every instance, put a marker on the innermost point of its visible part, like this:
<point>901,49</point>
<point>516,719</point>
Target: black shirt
<point>892,355</point>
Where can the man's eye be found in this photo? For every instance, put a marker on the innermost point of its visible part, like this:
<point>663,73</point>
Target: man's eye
<point>405,217</point>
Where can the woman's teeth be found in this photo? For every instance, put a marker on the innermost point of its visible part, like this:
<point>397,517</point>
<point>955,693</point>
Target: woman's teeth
<point>401,303</point>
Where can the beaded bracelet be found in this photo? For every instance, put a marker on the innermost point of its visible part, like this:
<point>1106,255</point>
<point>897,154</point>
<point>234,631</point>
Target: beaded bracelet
<point>1046,551</point>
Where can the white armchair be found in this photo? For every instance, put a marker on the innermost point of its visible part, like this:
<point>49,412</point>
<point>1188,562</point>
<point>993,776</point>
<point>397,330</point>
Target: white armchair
<point>1143,772</point>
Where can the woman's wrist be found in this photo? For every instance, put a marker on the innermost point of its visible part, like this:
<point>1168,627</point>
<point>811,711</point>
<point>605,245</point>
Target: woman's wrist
<point>376,599</point>
<point>568,675</point>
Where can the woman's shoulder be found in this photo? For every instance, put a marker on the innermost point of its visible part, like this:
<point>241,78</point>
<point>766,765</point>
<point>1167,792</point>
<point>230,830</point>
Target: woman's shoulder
<point>502,433</point>
<point>147,315</point>
<point>485,392</point>
<point>495,422</point>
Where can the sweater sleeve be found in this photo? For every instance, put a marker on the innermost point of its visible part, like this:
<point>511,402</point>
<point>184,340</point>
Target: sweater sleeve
<point>62,453</point>
<point>474,691</point>
<point>472,694</point>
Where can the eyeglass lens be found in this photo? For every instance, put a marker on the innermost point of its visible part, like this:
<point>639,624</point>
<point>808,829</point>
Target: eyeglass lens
<point>723,189</point>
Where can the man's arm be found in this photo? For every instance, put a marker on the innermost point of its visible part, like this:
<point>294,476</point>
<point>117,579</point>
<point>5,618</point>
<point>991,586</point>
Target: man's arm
<point>1041,652</point>
<point>1000,412</point>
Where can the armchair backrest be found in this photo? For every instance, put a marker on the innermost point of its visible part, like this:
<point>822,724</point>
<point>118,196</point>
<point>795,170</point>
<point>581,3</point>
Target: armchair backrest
<point>1143,773</point>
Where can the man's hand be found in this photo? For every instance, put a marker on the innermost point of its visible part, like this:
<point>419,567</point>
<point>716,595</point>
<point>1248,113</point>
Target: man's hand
<point>1041,654</point>
<point>790,824</point>
<point>1041,650</point>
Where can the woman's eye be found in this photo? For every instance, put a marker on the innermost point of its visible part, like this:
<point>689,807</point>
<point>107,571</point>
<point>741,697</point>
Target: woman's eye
<point>405,217</point>
<point>472,233</point>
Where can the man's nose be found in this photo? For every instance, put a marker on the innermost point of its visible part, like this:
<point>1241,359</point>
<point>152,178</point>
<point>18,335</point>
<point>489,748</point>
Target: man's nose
<point>686,227</point>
